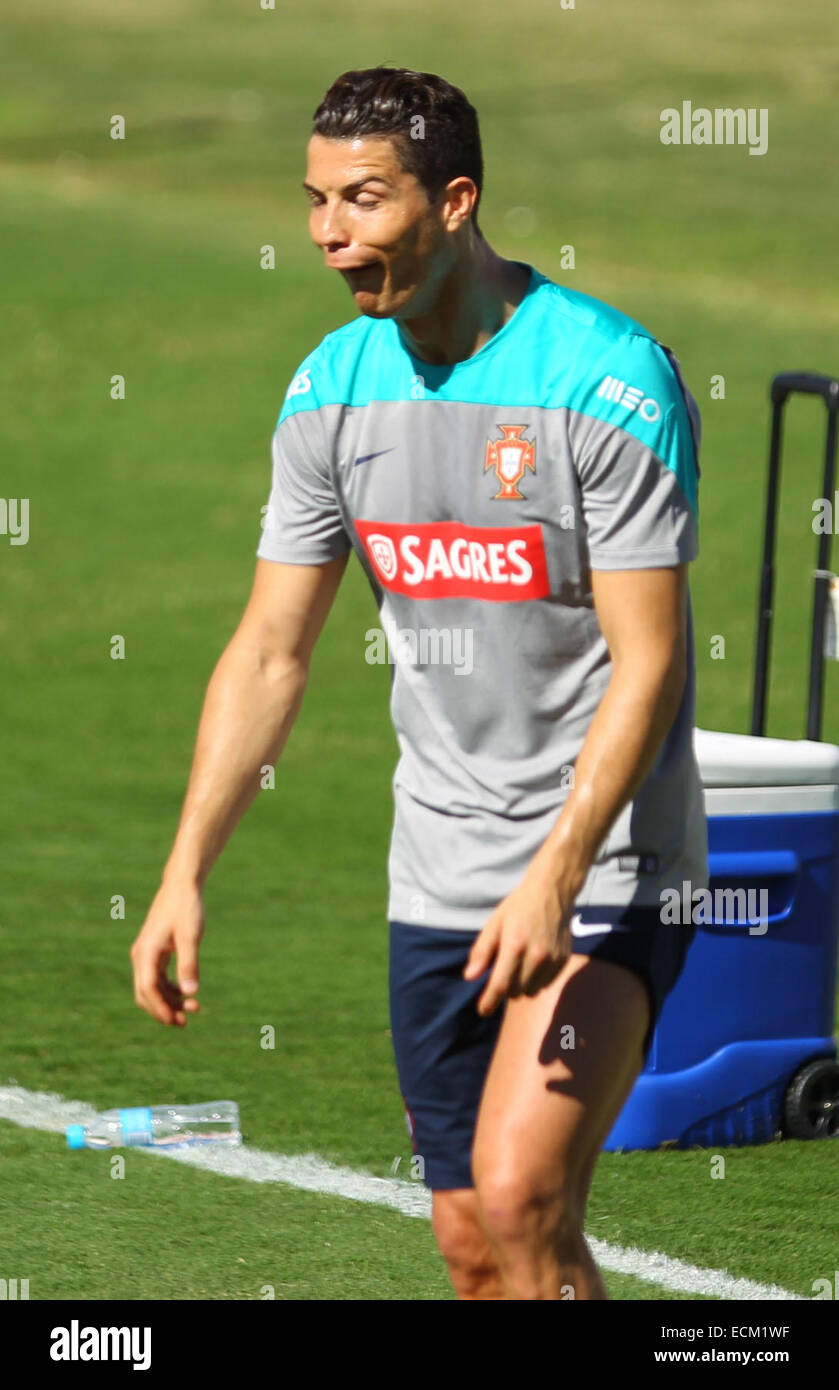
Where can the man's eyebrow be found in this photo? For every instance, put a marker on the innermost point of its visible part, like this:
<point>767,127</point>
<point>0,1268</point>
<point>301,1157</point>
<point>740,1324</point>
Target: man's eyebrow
<point>356,183</point>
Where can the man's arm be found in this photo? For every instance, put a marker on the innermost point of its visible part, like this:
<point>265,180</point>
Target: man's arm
<point>643,618</point>
<point>251,702</point>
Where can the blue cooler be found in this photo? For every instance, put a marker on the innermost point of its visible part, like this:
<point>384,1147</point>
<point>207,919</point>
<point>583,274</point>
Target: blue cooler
<point>744,1046</point>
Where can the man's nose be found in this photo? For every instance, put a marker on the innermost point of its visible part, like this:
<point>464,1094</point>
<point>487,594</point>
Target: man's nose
<point>328,227</point>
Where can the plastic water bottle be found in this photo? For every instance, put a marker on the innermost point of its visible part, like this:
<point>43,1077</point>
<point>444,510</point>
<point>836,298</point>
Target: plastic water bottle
<point>160,1126</point>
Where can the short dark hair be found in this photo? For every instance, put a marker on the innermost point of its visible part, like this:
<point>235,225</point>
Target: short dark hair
<point>386,101</point>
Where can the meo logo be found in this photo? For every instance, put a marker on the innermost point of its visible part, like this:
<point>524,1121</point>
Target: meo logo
<point>632,397</point>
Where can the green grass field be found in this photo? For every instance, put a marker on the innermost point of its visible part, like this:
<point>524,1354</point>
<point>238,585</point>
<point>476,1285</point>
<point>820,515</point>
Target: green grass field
<point>141,258</point>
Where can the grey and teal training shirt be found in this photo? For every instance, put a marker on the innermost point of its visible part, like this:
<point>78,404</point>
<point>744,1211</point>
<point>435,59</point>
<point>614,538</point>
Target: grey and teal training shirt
<point>478,497</point>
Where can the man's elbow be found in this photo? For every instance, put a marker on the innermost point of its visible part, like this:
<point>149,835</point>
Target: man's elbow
<point>283,668</point>
<point>256,659</point>
<point>672,682</point>
<point>676,681</point>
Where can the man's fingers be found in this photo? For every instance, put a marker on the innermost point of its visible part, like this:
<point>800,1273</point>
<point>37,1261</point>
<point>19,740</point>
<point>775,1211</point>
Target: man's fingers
<point>146,966</point>
<point>187,964</point>
<point>541,964</point>
<point>173,996</point>
<point>174,926</point>
<point>503,977</point>
<point>151,999</point>
<point>543,975</point>
<point>520,971</point>
<point>153,991</point>
<point>483,949</point>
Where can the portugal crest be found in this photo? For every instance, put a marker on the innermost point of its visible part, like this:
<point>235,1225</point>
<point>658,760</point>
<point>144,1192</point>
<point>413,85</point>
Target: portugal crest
<point>509,457</point>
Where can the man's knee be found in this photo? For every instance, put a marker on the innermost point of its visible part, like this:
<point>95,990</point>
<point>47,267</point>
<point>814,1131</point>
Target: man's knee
<point>462,1242</point>
<point>520,1210</point>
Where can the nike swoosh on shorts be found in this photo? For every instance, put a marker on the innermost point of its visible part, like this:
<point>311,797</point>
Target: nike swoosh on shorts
<point>579,928</point>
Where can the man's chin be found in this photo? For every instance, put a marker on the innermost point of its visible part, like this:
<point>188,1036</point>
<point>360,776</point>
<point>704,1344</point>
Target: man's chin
<point>372,311</point>
<point>372,305</point>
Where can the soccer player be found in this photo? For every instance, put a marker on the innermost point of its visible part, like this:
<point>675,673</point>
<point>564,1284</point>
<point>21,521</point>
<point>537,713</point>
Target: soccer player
<point>515,466</point>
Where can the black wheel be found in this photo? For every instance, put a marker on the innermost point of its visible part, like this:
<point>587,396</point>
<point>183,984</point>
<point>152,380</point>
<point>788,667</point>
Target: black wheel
<point>811,1104</point>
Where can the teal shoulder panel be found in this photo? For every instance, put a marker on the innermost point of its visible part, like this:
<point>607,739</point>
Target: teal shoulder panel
<point>621,374</point>
<point>633,386</point>
<point>327,375</point>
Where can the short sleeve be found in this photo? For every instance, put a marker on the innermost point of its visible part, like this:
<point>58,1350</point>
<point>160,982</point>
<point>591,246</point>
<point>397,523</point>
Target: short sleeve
<point>635,444</point>
<point>302,522</point>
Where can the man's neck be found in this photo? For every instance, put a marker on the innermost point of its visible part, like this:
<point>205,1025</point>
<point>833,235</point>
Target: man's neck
<point>474,301</point>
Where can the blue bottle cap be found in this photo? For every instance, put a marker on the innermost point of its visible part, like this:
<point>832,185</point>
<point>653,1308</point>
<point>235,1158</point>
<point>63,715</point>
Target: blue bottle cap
<point>75,1137</point>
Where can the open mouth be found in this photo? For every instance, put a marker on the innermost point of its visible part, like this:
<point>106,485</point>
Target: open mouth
<point>363,276</point>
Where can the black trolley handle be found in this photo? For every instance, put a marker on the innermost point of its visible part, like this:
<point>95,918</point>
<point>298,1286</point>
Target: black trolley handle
<point>784,385</point>
<point>804,384</point>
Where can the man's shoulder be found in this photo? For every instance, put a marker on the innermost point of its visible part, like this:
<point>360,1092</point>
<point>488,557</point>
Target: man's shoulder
<point>325,376</point>
<point>583,314</point>
<point>617,362</point>
<point>596,329</point>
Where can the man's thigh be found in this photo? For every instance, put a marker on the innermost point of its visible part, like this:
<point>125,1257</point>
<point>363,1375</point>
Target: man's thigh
<point>577,1043</point>
<point>442,1048</point>
<point>563,1066</point>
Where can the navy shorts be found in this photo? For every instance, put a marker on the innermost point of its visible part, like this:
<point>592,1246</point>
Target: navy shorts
<point>443,1046</point>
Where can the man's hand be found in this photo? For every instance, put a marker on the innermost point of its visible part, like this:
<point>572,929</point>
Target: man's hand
<point>175,924</point>
<point>529,935</point>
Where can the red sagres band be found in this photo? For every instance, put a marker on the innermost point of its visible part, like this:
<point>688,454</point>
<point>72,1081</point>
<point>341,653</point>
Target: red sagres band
<point>445,559</point>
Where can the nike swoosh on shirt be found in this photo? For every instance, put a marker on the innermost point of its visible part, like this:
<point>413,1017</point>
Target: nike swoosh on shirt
<point>365,458</point>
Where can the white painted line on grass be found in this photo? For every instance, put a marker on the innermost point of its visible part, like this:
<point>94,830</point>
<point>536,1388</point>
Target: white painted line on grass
<point>43,1110</point>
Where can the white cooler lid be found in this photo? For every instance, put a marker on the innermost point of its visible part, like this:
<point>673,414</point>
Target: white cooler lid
<point>742,760</point>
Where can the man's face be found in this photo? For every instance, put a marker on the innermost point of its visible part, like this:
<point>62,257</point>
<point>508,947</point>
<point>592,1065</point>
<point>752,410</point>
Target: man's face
<point>375,224</point>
